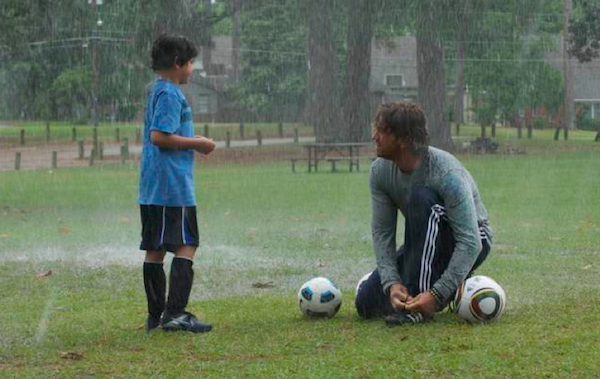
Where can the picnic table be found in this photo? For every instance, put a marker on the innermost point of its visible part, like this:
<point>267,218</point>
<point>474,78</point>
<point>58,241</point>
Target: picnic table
<point>333,153</point>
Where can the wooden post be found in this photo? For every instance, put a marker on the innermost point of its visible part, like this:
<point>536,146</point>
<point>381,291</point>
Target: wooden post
<point>242,129</point>
<point>529,130</point>
<point>228,139</point>
<point>519,132</point>
<point>81,149</point>
<point>138,137</point>
<point>95,139</point>
<point>22,137</point>
<point>259,137</point>
<point>280,129</point>
<point>47,131</point>
<point>101,150</point>
<point>73,134</point>
<point>556,133</point>
<point>493,129</point>
<point>123,155</point>
<point>18,160</point>
<point>118,135</point>
<point>92,155</point>
<point>206,131</point>
<point>296,138</point>
<point>457,128</point>
<point>483,130</point>
<point>54,159</point>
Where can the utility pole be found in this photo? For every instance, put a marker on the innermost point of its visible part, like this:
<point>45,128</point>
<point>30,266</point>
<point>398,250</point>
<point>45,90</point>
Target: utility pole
<point>568,105</point>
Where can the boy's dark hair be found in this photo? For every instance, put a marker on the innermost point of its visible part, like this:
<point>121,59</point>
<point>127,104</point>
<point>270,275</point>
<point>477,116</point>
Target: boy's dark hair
<point>169,49</point>
<point>404,120</point>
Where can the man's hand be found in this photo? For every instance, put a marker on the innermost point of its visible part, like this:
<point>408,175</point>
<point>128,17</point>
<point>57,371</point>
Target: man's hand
<point>204,145</point>
<point>424,303</point>
<point>399,296</point>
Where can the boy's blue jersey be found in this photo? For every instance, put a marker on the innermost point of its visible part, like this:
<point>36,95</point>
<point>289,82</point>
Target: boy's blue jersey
<point>167,175</point>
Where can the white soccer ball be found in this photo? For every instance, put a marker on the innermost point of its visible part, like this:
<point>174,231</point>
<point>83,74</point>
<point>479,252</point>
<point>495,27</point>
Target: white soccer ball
<point>319,297</point>
<point>479,299</point>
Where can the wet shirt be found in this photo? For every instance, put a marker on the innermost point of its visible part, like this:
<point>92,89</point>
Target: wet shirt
<point>443,173</point>
<point>167,175</point>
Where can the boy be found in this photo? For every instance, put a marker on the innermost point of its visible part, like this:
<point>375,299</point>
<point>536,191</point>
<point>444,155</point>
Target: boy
<point>166,192</point>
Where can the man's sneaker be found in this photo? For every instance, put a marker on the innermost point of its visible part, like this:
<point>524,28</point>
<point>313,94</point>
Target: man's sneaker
<point>152,323</point>
<point>402,318</point>
<point>187,322</point>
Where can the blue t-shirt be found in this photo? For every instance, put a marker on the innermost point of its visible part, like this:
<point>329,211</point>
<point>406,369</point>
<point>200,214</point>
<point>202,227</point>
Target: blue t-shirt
<point>167,175</point>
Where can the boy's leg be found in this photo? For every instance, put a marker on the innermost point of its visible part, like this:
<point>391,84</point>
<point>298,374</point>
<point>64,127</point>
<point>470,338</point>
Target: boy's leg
<point>181,280</point>
<point>155,286</point>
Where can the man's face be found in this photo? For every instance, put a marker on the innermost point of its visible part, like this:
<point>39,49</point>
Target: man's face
<point>386,144</point>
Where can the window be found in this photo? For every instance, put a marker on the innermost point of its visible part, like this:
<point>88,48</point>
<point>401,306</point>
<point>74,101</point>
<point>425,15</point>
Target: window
<point>394,80</point>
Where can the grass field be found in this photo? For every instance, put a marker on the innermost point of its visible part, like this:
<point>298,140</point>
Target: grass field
<point>260,224</point>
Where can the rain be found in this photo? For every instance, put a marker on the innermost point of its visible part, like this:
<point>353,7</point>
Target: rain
<point>512,89</point>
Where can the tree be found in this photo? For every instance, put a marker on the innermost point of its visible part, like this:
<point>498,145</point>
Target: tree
<point>272,62</point>
<point>431,72</point>
<point>360,31</point>
<point>322,71</point>
<point>584,32</point>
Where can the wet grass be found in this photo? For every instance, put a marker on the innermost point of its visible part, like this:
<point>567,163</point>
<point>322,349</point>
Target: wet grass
<point>262,224</point>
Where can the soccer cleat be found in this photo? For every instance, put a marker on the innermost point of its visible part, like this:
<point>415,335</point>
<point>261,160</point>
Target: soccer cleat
<point>152,323</point>
<point>187,322</point>
<point>402,318</point>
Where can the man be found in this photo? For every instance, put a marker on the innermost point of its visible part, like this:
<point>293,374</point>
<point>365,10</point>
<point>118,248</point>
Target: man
<point>446,233</point>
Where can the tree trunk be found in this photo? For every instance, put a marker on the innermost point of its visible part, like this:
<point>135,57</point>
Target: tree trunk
<point>361,27</point>
<point>460,36</point>
<point>206,38</point>
<point>431,75</point>
<point>321,96</point>
<point>460,84</point>
<point>235,40</point>
<point>568,109</point>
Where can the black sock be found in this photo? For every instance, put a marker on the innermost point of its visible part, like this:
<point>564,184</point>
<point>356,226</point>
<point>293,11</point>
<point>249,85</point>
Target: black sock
<point>155,284</point>
<point>180,285</point>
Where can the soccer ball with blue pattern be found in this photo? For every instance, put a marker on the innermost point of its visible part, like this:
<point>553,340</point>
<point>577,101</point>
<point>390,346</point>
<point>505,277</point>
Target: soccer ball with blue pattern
<point>479,299</point>
<point>319,297</point>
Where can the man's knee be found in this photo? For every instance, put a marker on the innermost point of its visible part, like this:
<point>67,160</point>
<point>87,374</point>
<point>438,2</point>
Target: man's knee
<point>370,301</point>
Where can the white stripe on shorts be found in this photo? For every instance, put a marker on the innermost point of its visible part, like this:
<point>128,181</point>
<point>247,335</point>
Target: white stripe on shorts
<point>162,233</point>
<point>183,224</point>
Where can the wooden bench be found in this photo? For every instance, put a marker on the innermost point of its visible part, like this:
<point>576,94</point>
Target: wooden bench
<point>484,145</point>
<point>353,162</point>
<point>294,160</point>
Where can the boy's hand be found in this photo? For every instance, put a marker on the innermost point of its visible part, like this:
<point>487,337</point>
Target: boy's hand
<point>204,145</point>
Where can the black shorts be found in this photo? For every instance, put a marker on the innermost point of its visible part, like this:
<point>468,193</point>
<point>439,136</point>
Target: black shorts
<point>168,228</point>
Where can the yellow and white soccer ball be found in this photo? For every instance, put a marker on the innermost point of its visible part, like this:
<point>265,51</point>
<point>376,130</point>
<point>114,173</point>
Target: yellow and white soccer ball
<point>319,297</point>
<point>479,299</point>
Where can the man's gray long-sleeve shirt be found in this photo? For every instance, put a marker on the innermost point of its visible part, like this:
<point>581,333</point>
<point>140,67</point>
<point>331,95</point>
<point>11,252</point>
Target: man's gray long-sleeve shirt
<point>444,174</point>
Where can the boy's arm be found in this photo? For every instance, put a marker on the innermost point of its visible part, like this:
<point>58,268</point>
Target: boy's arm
<point>173,141</point>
